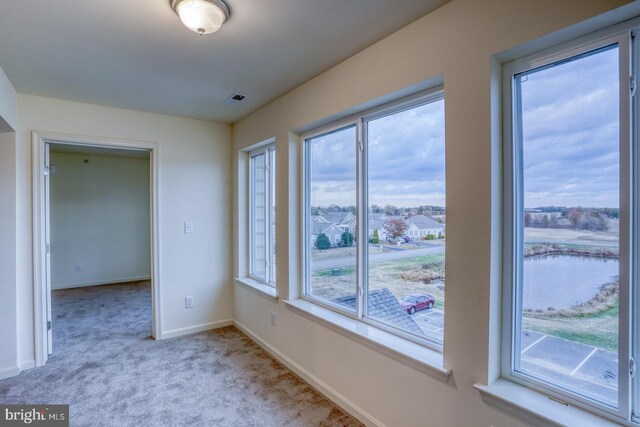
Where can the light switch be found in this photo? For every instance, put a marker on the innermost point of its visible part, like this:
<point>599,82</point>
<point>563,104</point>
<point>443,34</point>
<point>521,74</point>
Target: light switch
<point>188,227</point>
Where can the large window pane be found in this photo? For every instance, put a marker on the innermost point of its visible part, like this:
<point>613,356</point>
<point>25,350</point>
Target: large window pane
<point>331,221</point>
<point>568,290</point>
<point>258,210</point>
<point>406,220</point>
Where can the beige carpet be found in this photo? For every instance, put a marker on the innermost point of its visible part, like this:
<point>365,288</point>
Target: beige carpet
<point>112,373</point>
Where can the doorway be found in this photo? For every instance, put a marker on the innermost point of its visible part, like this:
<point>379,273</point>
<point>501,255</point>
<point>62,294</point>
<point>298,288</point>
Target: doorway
<point>95,223</point>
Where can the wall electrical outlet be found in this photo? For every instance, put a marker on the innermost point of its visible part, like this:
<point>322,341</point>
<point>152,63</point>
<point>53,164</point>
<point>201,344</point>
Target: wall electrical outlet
<point>273,318</point>
<point>188,227</point>
<point>77,268</point>
<point>188,302</point>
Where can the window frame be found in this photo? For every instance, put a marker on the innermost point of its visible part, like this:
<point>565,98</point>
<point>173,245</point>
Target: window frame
<point>306,212</point>
<point>513,238</point>
<point>359,120</point>
<point>269,152</point>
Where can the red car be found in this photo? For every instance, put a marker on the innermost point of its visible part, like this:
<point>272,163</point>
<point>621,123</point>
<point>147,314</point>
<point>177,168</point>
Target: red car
<point>416,302</point>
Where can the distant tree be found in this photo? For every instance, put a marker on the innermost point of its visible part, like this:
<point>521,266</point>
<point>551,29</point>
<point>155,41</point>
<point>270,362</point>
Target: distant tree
<point>574,216</point>
<point>376,209</point>
<point>612,213</point>
<point>395,228</point>
<point>392,210</point>
<point>527,219</point>
<point>346,239</point>
<point>593,221</point>
<point>375,239</point>
<point>323,242</point>
<point>545,221</point>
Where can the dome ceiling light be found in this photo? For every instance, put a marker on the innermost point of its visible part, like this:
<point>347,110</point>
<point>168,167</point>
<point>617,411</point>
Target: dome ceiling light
<point>202,16</point>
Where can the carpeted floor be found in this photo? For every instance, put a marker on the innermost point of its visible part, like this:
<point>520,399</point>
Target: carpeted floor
<point>106,366</point>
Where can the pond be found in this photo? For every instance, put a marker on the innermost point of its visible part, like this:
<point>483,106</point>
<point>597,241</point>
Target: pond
<point>563,281</point>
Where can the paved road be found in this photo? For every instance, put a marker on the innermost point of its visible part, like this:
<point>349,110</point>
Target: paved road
<point>327,264</point>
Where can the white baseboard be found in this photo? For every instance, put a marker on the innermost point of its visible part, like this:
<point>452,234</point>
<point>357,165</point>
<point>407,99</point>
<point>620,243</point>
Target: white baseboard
<point>9,372</point>
<point>102,282</point>
<point>312,380</point>
<point>27,364</point>
<point>195,329</point>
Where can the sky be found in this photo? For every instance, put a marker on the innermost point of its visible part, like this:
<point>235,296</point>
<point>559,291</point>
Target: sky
<point>406,154</point>
<point>570,145</point>
<point>571,133</point>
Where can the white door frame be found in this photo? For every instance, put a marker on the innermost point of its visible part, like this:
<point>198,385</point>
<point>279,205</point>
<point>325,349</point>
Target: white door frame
<point>38,139</point>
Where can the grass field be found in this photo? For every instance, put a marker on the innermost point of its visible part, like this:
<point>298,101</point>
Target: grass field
<point>597,329</point>
<point>389,275</point>
<point>580,237</point>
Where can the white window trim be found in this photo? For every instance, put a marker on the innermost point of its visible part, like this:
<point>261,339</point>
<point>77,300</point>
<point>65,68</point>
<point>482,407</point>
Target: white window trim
<point>267,150</point>
<point>537,409</point>
<point>618,34</point>
<point>259,287</point>
<point>246,279</point>
<point>358,121</point>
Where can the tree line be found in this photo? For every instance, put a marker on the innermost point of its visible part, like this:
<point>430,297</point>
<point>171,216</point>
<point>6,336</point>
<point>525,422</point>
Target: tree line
<point>593,219</point>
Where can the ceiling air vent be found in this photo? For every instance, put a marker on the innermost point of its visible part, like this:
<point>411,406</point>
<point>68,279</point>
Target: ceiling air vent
<point>234,99</point>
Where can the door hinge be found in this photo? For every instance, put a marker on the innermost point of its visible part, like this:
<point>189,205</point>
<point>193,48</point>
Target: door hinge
<point>48,325</point>
<point>632,85</point>
<point>47,248</point>
<point>632,367</point>
<point>360,291</point>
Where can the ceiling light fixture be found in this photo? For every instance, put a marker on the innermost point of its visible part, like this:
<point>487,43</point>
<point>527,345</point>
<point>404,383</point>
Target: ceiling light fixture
<point>202,16</point>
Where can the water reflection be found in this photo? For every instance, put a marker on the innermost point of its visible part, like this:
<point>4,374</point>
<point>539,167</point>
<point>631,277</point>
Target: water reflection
<point>564,281</point>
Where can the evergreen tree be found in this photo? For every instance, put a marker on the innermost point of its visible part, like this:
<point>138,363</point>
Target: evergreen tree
<point>323,242</point>
<point>347,239</point>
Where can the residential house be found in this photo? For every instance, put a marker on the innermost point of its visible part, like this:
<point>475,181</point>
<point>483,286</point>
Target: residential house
<point>332,231</point>
<point>376,222</point>
<point>421,226</point>
<point>386,307</point>
<point>345,220</point>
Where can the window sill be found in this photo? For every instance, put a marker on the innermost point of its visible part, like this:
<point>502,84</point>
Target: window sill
<point>259,288</point>
<point>411,354</point>
<point>535,408</point>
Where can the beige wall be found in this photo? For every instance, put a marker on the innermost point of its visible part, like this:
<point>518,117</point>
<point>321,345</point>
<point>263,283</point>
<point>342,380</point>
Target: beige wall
<point>100,219</point>
<point>456,44</point>
<point>8,299</point>
<point>194,171</point>
<point>8,293</point>
<point>7,103</point>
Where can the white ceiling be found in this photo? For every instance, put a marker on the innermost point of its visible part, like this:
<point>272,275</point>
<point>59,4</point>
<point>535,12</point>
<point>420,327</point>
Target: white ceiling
<point>137,54</point>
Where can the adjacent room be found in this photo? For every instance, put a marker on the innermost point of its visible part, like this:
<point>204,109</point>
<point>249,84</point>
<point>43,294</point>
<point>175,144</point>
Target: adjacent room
<point>320,213</point>
<point>98,212</point>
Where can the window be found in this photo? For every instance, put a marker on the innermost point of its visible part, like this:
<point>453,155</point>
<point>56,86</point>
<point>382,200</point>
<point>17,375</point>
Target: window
<point>331,174</point>
<point>373,185</point>
<point>568,188</point>
<point>262,210</point>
